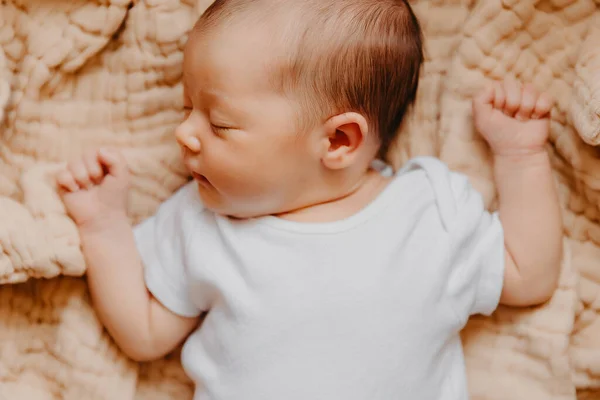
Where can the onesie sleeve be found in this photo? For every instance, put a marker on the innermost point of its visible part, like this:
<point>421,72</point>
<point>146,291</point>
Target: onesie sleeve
<point>162,241</point>
<point>477,252</point>
<point>474,242</point>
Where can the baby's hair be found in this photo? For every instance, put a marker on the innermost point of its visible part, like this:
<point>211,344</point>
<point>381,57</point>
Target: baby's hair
<point>340,55</point>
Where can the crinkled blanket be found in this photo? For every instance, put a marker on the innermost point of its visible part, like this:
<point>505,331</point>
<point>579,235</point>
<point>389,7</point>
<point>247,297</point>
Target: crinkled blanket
<point>76,74</point>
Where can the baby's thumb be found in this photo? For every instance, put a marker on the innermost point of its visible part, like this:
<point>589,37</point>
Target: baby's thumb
<point>484,100</point>
<point>482,105</point>
<point>114,162</point>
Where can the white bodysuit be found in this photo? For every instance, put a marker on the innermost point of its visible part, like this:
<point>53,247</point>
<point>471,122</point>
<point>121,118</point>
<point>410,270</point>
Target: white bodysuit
<point>366,308</point>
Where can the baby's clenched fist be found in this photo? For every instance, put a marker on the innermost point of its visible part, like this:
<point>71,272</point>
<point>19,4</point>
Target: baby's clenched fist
<point>513,118</point>
<point>94,187</point>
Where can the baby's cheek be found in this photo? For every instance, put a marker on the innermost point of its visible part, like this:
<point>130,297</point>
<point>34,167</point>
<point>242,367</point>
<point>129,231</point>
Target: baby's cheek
<point>256,186</point>
<point>247,174</point>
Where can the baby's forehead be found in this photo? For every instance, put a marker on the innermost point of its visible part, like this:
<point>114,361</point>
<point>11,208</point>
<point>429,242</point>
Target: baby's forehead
<point>245,47</point>
<point>277,43</point>
<point>233,59</point>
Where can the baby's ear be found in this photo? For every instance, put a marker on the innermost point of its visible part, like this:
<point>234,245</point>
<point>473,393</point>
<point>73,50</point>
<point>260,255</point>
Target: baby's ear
<point>346,135</point>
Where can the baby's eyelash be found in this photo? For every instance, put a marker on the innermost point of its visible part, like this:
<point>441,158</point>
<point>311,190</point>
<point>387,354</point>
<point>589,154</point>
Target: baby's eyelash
<point>218,128</point>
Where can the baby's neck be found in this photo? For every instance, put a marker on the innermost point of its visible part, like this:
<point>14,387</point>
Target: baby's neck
<point>363,193</point>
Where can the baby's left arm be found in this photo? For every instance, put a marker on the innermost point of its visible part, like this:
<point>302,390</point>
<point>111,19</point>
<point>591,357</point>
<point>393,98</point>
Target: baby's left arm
<point>514,120</point>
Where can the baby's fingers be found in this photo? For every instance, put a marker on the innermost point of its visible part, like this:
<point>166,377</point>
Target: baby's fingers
<point>79,171</point>
<point>492,95</point>
<point>500,96</point>
<point>543,106</point>
<point>93,166</point>
<point>512,89</point>
<point>486,96</point>
<point>528,101</point>
<point>484,100</point>
<point>114,162</point>
<point>116,165</point>
<point>66,181</point>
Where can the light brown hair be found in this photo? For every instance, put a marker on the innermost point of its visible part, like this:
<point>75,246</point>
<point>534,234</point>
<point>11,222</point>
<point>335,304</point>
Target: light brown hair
<point>341,55</point>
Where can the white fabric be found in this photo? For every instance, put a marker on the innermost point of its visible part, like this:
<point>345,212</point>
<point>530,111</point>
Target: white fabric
<point>369,307</point>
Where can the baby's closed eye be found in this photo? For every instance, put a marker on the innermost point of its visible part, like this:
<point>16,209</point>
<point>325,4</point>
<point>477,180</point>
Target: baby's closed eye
<point>220,127</point>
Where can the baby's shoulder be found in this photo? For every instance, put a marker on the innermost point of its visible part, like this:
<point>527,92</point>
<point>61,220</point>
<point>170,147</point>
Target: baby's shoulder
<point>432,169</point>
<point>432,173</point>
<point>448,189</point>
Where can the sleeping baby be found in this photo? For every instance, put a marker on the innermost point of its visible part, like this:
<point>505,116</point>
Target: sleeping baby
<point>296,264</point>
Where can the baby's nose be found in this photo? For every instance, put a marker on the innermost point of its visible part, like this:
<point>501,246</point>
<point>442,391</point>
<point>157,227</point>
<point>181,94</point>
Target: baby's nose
<point>186,137</point>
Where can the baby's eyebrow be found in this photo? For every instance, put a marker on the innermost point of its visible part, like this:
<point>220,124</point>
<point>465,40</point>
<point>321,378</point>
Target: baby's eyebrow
<point>217,99</point>
<point>223,103</point>
<point>213,99</point>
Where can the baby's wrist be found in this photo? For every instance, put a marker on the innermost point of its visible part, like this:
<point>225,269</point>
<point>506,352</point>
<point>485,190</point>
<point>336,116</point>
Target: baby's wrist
<point>525,155</point>
<point>522,160</point>
<point>104,223</point>
<point>518,151</point>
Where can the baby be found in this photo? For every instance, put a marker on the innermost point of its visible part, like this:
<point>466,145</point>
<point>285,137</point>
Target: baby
<point>316,271</point>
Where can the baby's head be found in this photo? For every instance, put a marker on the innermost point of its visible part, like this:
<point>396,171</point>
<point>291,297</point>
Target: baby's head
<point>288,102</point>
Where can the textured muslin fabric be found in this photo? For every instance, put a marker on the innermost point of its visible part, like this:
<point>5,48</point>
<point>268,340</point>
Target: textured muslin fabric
<point>76,74</point>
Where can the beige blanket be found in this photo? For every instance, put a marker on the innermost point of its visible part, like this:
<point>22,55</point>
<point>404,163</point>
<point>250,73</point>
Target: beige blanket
<point>82,73</point>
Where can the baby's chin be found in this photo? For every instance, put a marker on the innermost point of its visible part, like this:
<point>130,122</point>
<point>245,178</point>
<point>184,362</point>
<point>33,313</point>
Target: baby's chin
<point>212,201</point>
<point>227,210</point>
<point>233,214</point>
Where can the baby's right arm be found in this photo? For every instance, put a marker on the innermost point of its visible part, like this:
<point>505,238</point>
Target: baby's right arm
<point>95,193</point>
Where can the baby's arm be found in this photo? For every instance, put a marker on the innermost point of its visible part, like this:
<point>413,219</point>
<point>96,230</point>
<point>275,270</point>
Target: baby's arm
<point>515,122</point>
<point>140,325</point>
<point>530,215</point>
<point>95,191</point>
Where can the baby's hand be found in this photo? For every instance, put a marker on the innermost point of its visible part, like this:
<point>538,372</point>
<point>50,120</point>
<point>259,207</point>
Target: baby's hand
<point>514,120</point>
<point>94,188</point>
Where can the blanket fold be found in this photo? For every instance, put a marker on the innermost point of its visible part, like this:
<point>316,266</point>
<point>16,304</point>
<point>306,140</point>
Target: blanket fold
<point>585,105</point>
